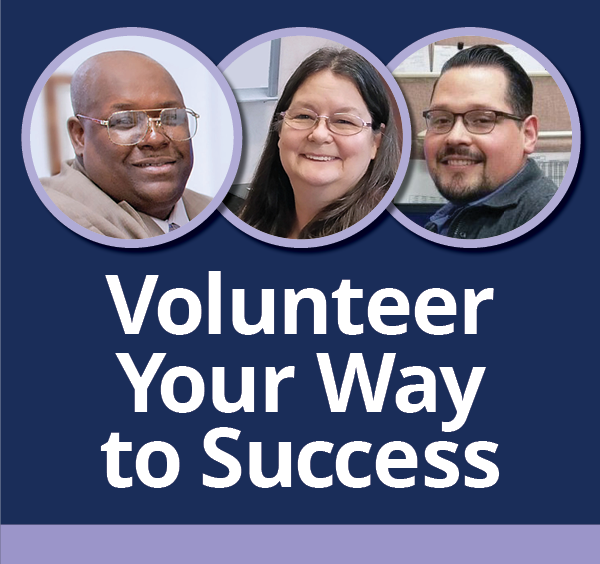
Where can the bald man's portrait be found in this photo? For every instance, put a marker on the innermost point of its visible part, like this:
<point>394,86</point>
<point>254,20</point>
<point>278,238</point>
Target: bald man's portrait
<point>131,134</point>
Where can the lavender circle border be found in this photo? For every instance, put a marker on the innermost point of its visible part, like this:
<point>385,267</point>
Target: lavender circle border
<point>406,141</point>
<point>575,148</point>
<point>229,177</point>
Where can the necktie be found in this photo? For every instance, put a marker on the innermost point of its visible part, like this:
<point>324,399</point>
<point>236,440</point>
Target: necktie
<point>173,226</point>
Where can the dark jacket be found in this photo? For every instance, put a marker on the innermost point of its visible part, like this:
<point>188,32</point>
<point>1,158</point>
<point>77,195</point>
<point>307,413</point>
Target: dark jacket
<point>519,200</point>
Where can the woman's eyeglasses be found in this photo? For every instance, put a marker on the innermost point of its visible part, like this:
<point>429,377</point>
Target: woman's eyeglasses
<point>340,124</point>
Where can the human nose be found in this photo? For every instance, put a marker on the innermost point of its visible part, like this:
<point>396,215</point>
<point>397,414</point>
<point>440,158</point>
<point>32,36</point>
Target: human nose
<point>154,137</point>
<point>459,134</point>
<point>320,132</point>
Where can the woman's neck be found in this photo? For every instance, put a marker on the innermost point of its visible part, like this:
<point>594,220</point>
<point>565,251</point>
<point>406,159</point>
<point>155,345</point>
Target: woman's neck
<point>307,207</point>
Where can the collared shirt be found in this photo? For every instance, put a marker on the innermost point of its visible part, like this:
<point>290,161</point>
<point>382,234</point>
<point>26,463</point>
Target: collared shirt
<point>444,216</point>
<point>178,215</point>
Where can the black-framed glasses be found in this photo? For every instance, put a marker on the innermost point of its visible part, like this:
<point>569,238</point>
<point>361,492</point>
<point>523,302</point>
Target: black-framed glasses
<point>129,127</point>
<point>478,122</point>
<point>341,124</point>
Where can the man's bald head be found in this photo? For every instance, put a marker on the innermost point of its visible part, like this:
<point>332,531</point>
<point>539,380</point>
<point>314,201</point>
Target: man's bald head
<point>89,78</point>
<point>150,175</point>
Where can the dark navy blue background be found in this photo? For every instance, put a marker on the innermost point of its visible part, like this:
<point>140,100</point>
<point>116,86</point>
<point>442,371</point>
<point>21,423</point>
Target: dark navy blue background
<point>64,392</point>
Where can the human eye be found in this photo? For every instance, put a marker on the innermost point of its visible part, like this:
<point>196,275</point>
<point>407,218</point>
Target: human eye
<point>123,120</point>
<point>301,115</point>
<point>439,120</point>
<point>481,119</point>
<point>173,117</point>
<point>347,120</point>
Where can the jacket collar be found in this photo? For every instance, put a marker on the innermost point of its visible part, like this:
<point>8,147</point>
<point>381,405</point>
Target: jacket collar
<point>510,192</point>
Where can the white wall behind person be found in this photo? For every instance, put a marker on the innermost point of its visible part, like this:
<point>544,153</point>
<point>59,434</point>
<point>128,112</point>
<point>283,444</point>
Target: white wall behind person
<point>256,116</point>
<point>294,50</point>
<point>213,144</point>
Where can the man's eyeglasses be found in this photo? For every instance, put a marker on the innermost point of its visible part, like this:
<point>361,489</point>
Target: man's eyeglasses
<point>341,124</point>
<point>478,122</point>
<point>131,126</point>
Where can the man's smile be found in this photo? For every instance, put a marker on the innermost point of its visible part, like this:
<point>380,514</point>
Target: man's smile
<point>459,157</point>
<point>453,161</point>
<point>156,165</point>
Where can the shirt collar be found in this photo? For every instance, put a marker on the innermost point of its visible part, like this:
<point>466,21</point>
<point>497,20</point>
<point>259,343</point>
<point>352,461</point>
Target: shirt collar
<point>178,215</point>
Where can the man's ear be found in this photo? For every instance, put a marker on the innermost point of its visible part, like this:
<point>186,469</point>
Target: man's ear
<point>77,135</point>
<point>530,134</point>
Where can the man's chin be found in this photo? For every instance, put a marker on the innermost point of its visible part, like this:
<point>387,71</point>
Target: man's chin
<point>158,201</point>
<point>460,192</point>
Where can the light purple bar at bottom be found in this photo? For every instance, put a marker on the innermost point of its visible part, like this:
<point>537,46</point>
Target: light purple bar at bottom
<point>291,544</point>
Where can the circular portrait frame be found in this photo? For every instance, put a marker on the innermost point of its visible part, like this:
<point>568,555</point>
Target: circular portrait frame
<point>234,140</point>
<point>575,148</point>
<point>405,149</point>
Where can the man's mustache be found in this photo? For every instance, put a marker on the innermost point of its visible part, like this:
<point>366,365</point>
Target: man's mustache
<point>462,152</point>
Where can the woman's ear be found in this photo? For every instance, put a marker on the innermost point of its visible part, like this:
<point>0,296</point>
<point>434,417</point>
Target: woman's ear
<point>377,140</point>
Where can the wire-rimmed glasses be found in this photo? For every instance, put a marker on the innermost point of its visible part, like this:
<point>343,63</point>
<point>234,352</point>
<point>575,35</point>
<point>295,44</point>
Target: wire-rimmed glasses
<point>129,127</point>
<point>340,124</point>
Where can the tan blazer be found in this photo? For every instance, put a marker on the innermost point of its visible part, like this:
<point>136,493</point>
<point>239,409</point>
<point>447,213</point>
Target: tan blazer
<point>81,200</point>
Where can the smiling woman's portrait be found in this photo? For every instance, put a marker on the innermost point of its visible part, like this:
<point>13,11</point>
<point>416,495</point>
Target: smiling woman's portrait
<point>332,150</point>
